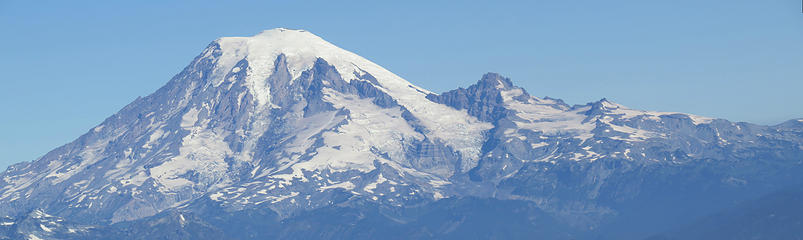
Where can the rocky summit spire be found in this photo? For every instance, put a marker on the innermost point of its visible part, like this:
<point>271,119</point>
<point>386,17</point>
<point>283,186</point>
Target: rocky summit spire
<point>482,100</point>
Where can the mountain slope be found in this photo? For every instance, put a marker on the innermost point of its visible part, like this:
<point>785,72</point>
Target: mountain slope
<point>778,215</point>
<point>287,123</point>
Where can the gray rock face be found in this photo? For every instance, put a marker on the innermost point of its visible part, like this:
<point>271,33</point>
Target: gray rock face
<point>481,100</point>
<point>286,123</point>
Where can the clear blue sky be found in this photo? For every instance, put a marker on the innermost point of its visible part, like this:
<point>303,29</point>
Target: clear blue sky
<point>68,65</point>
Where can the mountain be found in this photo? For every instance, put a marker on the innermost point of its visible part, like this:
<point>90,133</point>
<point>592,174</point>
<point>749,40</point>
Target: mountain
<point>297,134</point>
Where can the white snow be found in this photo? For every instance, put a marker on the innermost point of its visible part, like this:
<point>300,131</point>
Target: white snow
<point>371,186</point>
<point>634,134</point>
<point>455,128</point>
<point>156,135</point>
<point>282,197</point>
<point>189,118</point>
<point>216,196</point>
<point>343,185</point>
<point>203,152</point>
<point>618,109</point>
<point>349,146</point>
<point>46,229</point>
<point>89,156</point>
<point>546,118</point>
<point>541,115</point>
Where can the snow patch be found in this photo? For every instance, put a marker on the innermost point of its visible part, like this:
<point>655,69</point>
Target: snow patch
<point>216,196</point>
<point>189,118</point>
<point>202,153</point>
<point>343,185</point>
<point>283,197</point>
<point>156,135</point>
<point>371,186</point>
<point>627,113</point>
<point>46,229</point>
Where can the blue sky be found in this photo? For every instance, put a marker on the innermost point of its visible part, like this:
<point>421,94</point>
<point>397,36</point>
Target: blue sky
<point>68,65</point>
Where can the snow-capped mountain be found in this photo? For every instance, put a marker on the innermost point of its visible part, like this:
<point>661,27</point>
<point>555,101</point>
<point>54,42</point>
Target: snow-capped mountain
<point>286,122</point>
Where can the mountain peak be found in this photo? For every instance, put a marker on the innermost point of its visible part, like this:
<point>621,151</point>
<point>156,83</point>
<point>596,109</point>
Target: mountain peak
<point>496,80</point>
<point>300,50</point>
<point>281,30</point>
<point>297,37</point>
<point>608,104</point>
<point>281,40</point>
<point>483,100</point>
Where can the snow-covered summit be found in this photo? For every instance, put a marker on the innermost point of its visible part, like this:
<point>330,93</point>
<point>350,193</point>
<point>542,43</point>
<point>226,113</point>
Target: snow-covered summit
<point>301,49</point>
